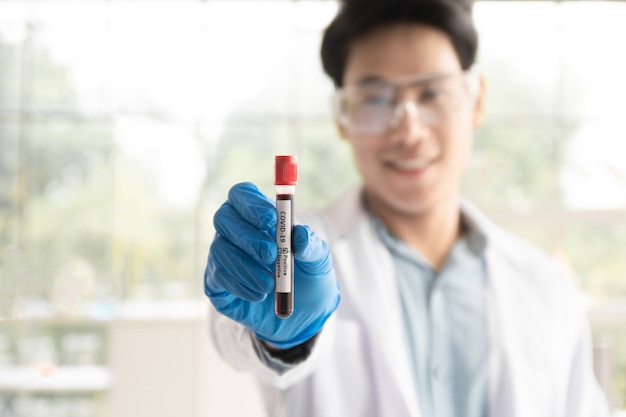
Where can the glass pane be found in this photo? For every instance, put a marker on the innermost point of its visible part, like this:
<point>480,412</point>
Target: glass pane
<point>552,96</point>
<point>515,165</point>
<point>610,345</point>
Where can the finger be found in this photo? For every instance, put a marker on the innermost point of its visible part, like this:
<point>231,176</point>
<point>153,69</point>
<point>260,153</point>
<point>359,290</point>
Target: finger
<point>254,206</point>
<point>231,269</point>
<point>236,308</point>
<point>311,252</point>
<point>260,244</point>
<point>227,304</point>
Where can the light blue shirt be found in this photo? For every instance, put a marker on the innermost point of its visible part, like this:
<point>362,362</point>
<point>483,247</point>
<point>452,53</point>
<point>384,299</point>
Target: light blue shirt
<point>446,325</point>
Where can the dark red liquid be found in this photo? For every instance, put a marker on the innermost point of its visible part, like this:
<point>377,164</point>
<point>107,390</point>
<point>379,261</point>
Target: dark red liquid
<point>284,304</point>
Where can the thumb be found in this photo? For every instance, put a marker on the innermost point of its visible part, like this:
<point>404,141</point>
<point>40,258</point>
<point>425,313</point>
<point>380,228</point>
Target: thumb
<point>311,252</point>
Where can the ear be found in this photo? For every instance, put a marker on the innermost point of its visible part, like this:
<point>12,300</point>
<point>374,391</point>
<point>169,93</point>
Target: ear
<point>479,104</point>
<point>341,130</point>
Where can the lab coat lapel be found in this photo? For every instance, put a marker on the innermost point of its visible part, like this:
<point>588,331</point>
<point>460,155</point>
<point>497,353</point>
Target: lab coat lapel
<point>515,387</point>
<point>376,302</point>
<point>517,329</point>
<point>502,393</point>
<point>502,325</point>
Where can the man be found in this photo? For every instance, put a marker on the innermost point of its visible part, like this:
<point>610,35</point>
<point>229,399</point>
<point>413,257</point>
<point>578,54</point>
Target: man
<point>441,312</point>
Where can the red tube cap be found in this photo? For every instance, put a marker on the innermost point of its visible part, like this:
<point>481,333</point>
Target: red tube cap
<point>285,170</point>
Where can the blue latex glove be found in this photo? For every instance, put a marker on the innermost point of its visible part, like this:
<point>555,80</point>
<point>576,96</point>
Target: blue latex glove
<point>239,277</point>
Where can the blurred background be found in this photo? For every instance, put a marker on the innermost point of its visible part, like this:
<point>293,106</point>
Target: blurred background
<point>124,123</point>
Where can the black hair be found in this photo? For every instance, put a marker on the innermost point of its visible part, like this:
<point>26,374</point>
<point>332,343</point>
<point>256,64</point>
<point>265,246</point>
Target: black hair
<point>358,17</point>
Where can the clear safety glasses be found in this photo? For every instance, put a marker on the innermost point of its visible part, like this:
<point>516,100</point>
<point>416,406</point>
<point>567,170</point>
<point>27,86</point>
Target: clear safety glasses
<point>376,106</point>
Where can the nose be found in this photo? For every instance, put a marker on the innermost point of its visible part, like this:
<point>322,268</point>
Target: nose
<point>403,108</point>
<point>407,120</point>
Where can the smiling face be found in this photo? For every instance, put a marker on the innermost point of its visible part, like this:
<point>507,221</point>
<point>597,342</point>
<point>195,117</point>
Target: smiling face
<point>412,166</point>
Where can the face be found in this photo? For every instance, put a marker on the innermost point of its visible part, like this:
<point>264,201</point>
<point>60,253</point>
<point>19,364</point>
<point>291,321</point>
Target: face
<point>411,166</point>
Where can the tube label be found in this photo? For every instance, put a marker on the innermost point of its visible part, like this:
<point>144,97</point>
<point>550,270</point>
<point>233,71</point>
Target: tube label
<point>284,260</point>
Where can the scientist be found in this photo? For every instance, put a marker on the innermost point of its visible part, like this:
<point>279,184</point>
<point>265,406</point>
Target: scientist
<point>441,312</point>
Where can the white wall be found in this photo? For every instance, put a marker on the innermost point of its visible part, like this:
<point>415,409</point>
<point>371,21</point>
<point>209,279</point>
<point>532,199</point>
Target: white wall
<point>169,368</point>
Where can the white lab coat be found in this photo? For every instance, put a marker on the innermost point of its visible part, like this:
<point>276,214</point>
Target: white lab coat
<point>540,362</point>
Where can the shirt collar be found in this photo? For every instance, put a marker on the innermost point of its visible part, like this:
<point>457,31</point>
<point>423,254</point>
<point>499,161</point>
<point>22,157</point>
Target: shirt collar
<point>471,233</point>
<point>349,211</point>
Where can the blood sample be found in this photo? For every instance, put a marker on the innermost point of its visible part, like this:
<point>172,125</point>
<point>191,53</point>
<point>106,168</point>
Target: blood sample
<point>285,179</point>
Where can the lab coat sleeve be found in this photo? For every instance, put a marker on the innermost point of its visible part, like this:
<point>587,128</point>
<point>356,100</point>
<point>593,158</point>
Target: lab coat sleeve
<point>236,345</point>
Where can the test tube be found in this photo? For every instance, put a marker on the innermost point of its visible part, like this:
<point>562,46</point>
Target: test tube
<point>285,179</point>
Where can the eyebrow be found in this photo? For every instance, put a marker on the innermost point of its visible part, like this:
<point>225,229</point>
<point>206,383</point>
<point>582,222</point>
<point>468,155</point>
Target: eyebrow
<point>371,79</point>
<point>377,79</point>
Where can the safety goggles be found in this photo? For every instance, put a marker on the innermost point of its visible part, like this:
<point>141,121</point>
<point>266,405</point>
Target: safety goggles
<point>373,107</point>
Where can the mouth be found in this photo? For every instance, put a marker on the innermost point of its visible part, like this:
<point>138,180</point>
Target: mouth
<point>414,164</point>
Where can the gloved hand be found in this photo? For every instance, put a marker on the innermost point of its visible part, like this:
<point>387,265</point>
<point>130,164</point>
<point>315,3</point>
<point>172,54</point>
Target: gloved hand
<point>239,277</point>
